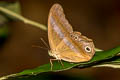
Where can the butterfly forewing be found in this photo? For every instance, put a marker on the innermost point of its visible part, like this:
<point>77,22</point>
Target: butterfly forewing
<point>58,26</point>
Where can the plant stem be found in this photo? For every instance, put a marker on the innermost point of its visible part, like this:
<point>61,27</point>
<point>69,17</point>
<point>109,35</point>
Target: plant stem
<point>25,20</point>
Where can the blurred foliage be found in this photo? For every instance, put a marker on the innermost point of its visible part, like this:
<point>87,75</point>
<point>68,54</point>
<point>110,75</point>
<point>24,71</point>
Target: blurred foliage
<point>4,18</point>
<point>3,33</point>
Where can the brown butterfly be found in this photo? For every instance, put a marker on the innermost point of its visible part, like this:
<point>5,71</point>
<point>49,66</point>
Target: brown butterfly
<point>66,44</point>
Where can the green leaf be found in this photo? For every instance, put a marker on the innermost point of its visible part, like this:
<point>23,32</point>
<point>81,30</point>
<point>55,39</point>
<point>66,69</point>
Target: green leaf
<point>113,63</point>
<point>99,56</point>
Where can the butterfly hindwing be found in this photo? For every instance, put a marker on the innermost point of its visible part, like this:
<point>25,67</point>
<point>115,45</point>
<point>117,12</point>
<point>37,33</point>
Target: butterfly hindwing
<point>72,50</point>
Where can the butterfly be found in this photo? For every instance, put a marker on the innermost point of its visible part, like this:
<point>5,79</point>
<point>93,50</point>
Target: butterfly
<point>66,44</point>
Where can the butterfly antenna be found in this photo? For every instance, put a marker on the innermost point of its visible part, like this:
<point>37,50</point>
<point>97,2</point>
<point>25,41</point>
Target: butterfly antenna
<point>45,43</point>
<point>39,47</point>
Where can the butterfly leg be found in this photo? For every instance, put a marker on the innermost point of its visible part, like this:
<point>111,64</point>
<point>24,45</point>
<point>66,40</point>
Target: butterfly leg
<point>61,63</point>
<point>52,63</point>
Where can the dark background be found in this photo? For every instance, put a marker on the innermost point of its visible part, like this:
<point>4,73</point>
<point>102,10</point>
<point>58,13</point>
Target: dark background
<point>97,19</point>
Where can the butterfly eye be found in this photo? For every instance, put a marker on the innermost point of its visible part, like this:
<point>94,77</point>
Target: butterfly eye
<point>87,49</point>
